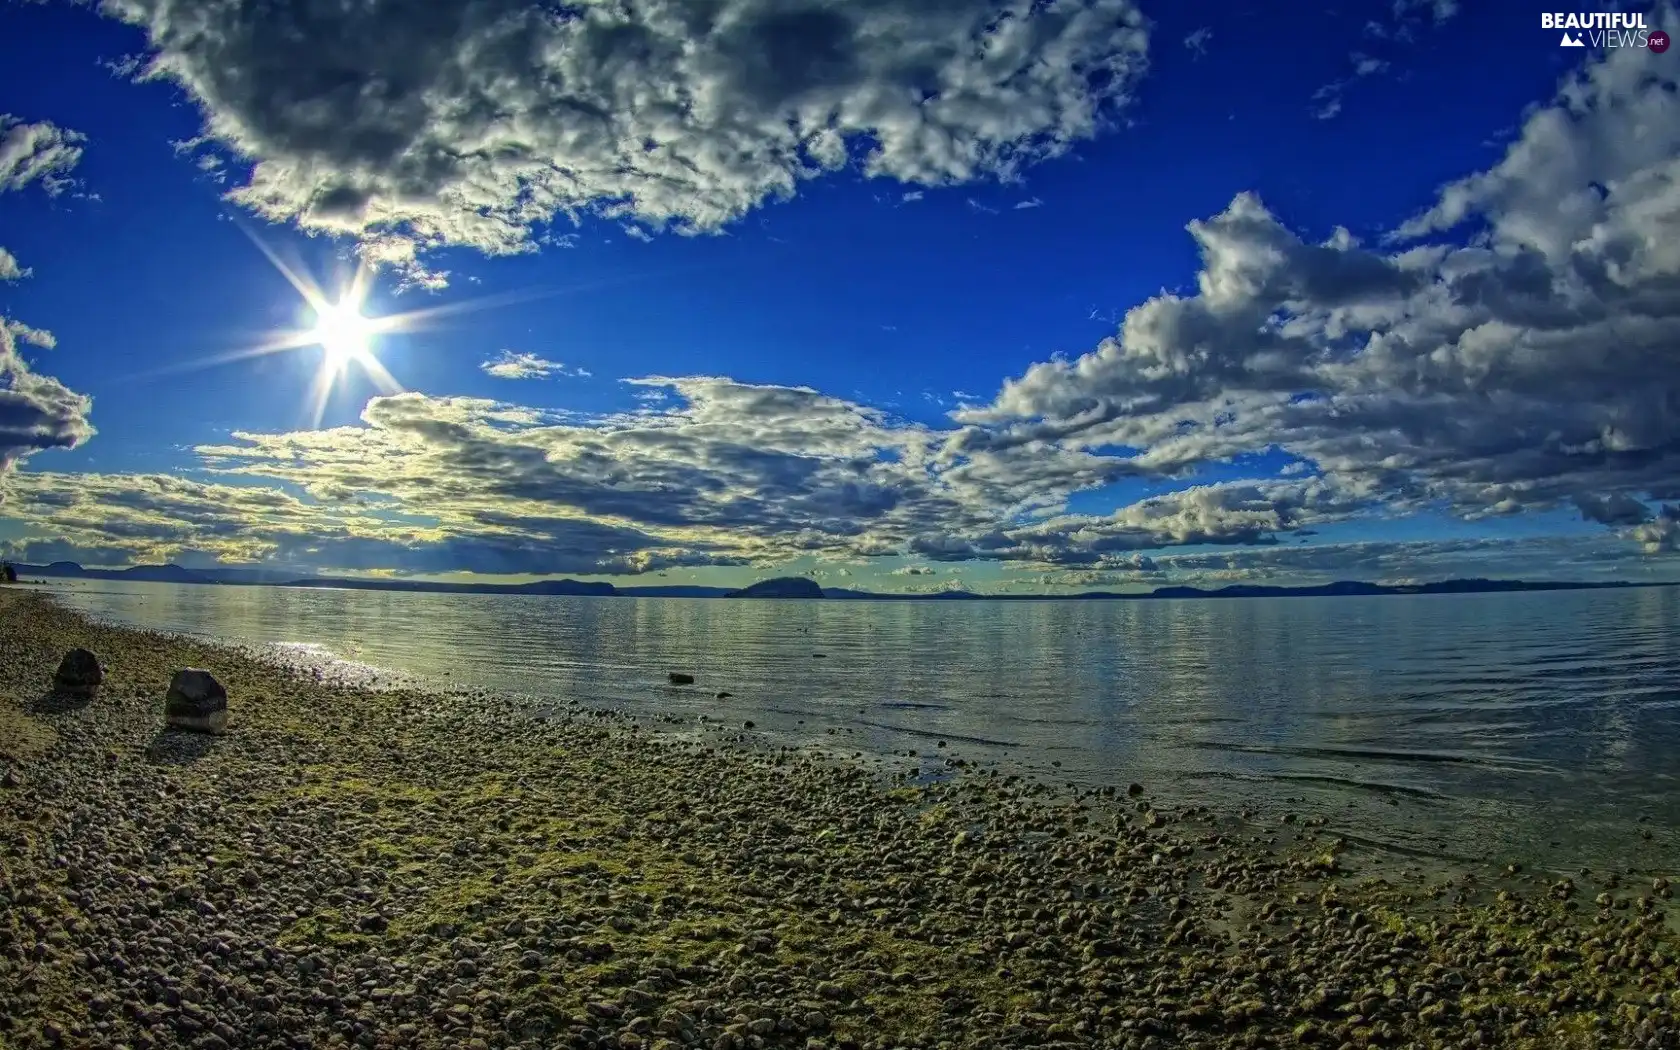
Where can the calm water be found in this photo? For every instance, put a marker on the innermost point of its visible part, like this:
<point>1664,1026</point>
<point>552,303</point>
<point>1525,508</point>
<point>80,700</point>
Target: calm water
<point>1540,727</point>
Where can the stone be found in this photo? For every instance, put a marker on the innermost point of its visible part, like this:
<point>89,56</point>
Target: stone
<point>196,702</point>
<point>78,674</point>
<point>679,678</point>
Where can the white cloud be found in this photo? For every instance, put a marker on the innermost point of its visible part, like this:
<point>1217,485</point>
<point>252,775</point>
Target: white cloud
<point>471,123</point>
<point>1197,41</point>
<point>37,153</point>
<point>1365,65</point>
<point>1508,350</point>
<point>1527,371</point>
<point>514,365</point>
<point>36,412</point>
<point>9,268</point>
<point>1406,14</point>
<point>1439,11</point>
<point>1661,534</point>
<point>1328,100</point>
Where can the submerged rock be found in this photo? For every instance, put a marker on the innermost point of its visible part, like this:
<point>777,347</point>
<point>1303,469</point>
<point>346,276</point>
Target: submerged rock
<point>196,701</point>
<point>679,678</point>
<point>79,674</point>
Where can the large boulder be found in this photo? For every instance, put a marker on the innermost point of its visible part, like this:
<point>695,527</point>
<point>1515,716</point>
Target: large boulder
<point>196,701</point>
<point>78,674</point>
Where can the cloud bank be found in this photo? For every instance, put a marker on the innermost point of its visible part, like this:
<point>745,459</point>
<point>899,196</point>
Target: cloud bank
<point>471,122</point>
<point>1508,350</point>
<point>1530,369</point>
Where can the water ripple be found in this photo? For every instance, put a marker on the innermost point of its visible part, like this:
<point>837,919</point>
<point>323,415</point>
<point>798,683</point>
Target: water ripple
<point>1518,725</point>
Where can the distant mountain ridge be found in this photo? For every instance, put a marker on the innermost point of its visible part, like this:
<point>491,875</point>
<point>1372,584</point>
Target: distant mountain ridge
<point>788,586</point>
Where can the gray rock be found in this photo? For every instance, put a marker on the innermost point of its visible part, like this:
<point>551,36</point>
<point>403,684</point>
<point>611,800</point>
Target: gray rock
<point>79,674</point>
<point>196,701</point>
<point>679,678</point>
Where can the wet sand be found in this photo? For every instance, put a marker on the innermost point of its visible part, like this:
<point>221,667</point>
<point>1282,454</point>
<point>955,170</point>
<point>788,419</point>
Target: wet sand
<point>350,867</point>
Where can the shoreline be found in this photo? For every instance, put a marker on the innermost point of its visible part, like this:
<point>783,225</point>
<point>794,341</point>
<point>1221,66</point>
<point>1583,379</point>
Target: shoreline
<point>1387,798</point>
<point>578,589</point>
<point>396,868</point>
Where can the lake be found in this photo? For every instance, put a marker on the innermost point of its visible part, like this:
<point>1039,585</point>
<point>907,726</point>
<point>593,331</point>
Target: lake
<point>1541,727</point>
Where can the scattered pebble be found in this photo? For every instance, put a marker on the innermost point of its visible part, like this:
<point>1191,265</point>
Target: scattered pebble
<point>396,868</point>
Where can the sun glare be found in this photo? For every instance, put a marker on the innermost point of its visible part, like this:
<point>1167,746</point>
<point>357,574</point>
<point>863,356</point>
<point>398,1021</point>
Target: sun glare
<point>343,334</point>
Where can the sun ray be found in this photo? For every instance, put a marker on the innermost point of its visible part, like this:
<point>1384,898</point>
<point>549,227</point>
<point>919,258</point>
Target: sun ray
<point>308,289</point>
<point>347,337</point>
<point>320,390</point>
<point>278,343</point>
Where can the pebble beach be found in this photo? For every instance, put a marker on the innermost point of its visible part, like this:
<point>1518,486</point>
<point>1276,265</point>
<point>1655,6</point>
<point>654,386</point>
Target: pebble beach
<point>354,867</point>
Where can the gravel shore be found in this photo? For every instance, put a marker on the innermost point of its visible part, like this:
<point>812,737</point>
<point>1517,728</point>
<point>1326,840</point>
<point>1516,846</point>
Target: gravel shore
<point>398,869</point>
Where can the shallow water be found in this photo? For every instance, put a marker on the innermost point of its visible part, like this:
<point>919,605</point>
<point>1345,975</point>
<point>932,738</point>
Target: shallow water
<point>1538,727</point>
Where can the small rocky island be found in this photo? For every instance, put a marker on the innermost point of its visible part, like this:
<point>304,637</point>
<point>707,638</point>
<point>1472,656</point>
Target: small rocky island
<point>780,587</point>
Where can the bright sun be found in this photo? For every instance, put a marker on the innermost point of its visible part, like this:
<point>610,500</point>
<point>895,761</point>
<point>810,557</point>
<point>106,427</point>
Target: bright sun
<point>343,333</point>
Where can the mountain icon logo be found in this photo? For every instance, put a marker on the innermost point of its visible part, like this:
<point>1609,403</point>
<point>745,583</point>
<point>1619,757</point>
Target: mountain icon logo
<point>1570,40</point>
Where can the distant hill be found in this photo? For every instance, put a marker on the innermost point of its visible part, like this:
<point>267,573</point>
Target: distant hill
<point>143,573</point>
<point>849,593</point>
<point>1350,588</point>
<point>780,587</point>
<point>1343,588</point>
<point>787,586</point>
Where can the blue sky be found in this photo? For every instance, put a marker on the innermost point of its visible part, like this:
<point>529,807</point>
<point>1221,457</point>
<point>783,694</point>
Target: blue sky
<point>1104,295</point>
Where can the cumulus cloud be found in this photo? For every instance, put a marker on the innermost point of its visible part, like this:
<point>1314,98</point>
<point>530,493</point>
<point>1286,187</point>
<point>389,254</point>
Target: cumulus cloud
<point>1527,370</point>
<point>1662,533</point>
<point>114,519</point>
<point>1508,350</point>
<point>36,411</point>
<point>470,123</point>
<point>39,153</point>
<point>1617,508</point>
<point>9,268</point>
<point>721,473</point>
<point>511,365</point>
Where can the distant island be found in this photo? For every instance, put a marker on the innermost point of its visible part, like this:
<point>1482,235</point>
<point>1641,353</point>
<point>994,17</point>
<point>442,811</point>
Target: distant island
<point>780,587</point>
<point>787,586</point>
